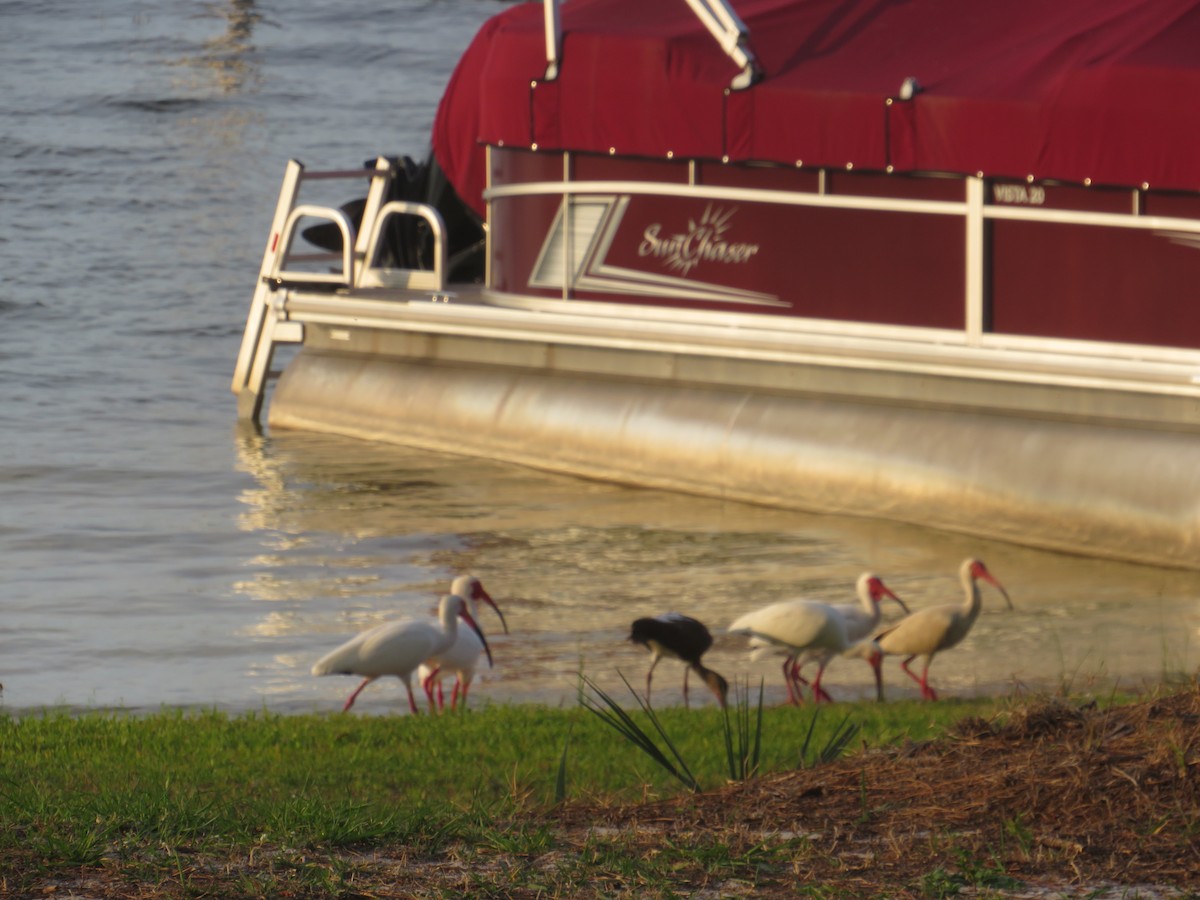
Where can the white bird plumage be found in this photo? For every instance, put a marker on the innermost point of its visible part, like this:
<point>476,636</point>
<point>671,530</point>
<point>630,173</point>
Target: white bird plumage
<point>810,630</point>
<point>398,648</point>
<point>933,629</point>
<point>461,658</point>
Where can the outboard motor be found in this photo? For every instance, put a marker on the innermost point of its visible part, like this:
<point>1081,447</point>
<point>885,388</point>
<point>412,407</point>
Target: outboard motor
<point>408,243</point>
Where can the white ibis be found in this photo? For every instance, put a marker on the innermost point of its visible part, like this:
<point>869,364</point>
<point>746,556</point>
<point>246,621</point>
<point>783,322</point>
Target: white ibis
<point>679,637</point>
<point>397,648</point>
<point>860,619</point>
<point>929,631</point>
<point>808,629</point>
<point>462,657</point>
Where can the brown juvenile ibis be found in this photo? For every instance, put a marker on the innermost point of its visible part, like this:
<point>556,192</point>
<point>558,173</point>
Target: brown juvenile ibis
<point>929,631</point>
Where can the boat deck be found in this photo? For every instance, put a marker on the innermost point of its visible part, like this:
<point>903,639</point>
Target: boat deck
<point>469,326</point>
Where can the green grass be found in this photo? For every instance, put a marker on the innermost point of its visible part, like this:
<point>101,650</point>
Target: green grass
<point>148,794</point>
<point>188,768</point>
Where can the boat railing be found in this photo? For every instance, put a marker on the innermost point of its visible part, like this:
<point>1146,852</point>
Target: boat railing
<point>268,323</point>
<point>972,208</point>
<point>373,275</point>
<point>344,277</point>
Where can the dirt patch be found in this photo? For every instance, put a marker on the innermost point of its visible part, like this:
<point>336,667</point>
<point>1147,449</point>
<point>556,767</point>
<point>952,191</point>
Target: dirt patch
<point>1056,794</point>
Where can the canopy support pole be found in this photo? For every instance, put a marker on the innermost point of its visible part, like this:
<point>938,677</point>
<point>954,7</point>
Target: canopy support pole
<point>716,15</point>
<point>733,36</point>
<point>553,38</point>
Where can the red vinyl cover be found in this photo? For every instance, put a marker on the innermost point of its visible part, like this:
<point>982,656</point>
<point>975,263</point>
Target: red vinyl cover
<point>1106,91</point>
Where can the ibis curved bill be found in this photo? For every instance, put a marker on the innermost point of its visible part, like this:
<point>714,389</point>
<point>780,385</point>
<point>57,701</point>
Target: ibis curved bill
<point>398,648</point>
<point>933,629</point>
<point>679,637</point>
<point>461,658</point>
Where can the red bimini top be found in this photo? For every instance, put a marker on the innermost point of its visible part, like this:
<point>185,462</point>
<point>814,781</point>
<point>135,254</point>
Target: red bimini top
<point>1099,91</point>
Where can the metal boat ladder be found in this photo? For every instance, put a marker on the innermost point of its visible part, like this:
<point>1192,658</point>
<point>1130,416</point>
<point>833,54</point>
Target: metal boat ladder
<point>268,323</point>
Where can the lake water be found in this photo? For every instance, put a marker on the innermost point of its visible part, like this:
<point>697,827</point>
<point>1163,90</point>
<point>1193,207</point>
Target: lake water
<point>154,554</point>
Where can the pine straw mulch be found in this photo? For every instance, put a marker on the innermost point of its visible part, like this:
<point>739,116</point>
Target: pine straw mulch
<point>1052,794</point>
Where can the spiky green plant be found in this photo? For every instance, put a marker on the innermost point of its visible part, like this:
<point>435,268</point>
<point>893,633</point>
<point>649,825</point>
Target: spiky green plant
<point>741,748</point>
<point>742,745</point>
<point>628,728</point>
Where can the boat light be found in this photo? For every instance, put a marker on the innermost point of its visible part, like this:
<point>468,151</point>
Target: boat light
<point>909,88</point>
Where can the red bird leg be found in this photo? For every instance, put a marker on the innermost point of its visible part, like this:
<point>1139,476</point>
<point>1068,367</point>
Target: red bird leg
<point>926,691</point>
<point>357,691</point>
<point>876,661</point>
<point>923,680</point>
<point>787,679</point>
<point>799,680</point>
<point>819,693</point>
<point>428,684</point>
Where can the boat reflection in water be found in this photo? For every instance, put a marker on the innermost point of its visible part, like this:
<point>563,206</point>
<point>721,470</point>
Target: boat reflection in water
<point>353,533</point>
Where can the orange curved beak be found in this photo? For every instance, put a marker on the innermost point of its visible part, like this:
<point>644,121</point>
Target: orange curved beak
<point>482,594</point>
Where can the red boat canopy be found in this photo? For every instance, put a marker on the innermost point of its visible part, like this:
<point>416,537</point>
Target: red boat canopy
<point>1106,91</point>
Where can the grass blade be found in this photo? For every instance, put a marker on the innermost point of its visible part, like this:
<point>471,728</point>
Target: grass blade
<point>758,729</point>
<point>560,780</point>
<point>834,745</point>
<point>730,756</point>
<point>812,724</point>
<point>839,740</point>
